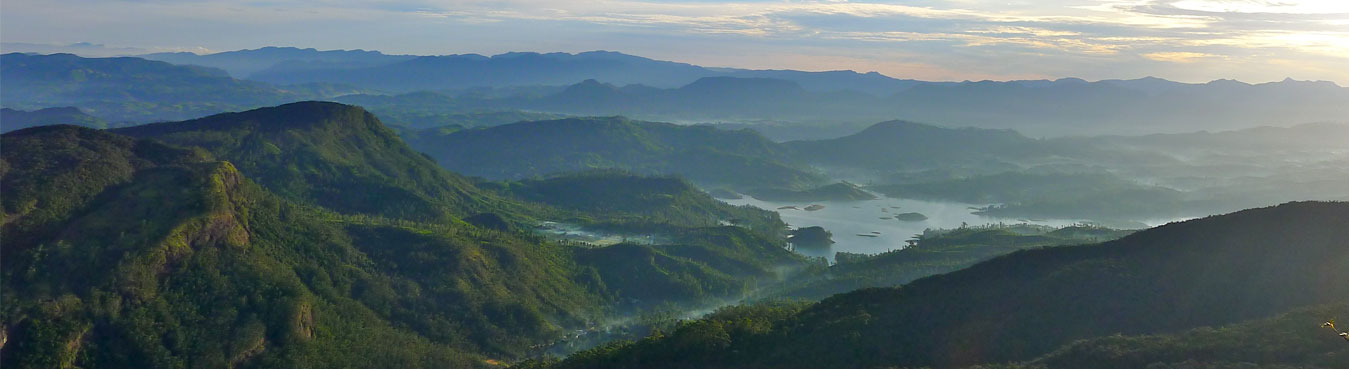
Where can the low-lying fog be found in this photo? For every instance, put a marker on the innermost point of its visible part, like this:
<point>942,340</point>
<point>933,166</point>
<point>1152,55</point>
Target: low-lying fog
<point>870,227</point>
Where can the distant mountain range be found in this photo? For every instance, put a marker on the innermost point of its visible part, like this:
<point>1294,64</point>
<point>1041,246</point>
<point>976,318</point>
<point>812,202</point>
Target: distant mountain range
<point>128,89</point>
<point>244,63</point>
<point>609,83</point>
<point>11,119</point>
<point>404,73</point>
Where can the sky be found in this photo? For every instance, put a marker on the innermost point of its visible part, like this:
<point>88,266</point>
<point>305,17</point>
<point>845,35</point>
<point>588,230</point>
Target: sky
<point>1183,40</point>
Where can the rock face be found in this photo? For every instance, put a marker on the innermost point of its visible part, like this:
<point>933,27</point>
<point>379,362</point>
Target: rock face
<point>811,237</point>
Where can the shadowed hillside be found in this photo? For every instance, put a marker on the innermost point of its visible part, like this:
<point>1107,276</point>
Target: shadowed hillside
<point>702,154</point>
<point>1208,272</point>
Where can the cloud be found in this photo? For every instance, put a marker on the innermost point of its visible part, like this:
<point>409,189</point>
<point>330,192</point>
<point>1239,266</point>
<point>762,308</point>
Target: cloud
<point>983,37</point>
<point>1178,56</point>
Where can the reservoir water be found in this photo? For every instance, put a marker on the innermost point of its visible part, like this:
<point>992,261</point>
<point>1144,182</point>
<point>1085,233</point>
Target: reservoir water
<point>859,227</point>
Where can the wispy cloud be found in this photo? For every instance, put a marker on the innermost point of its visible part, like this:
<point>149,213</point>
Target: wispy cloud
<point>1178,56</point>
<point>915,38</point>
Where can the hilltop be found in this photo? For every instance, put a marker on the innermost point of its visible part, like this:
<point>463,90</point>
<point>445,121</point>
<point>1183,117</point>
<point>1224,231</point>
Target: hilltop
<point>337,156</point>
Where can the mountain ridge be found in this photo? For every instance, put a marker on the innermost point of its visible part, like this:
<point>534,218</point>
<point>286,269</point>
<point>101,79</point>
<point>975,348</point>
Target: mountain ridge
<point>526,149</point>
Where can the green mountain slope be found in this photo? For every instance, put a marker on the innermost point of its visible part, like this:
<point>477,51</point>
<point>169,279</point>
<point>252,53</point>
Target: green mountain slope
<point>144,255</point>
<point>697,267</point>
<point>1207,272</point>
<point>937,252</point>
<point>1291,340</point>
<point>702,154</point>
<point>129,252</point>
<point>336,156</point>
<point>619,199</point>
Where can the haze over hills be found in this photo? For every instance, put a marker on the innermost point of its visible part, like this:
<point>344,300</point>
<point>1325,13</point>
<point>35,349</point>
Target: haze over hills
<point>245,63</point>
<point>706,155</point>
<point>650,89</point>
<point>128,89</point>
<point>12,119</point>
<point>474,211</point>
<point>404,73</point>
<point>901,145</point>
<point>1068,102</point>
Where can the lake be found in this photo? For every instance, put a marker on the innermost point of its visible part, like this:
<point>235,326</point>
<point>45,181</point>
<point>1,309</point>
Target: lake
<point>847,219</point>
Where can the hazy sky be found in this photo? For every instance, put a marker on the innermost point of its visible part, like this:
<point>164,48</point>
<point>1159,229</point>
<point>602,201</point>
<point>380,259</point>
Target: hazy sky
<point>1187,40</point>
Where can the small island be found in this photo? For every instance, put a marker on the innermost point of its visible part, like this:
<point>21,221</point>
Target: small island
<point>815,237</point>
<point>911,217</point>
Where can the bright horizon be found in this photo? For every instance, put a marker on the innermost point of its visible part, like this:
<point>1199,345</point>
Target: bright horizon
<point>1193,41</point>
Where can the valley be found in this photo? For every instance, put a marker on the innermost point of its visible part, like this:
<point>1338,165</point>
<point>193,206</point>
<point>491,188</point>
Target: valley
<point>285,207</point>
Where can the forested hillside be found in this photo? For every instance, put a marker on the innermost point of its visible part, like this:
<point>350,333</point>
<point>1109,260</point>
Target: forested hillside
<point>347,250</point>
<point>702,154</point>
<point>144,255</point>
<point>1208,272</point>
<point>336,156</point>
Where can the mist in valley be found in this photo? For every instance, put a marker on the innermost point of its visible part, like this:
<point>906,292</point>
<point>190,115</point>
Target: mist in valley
<point>786,184</point>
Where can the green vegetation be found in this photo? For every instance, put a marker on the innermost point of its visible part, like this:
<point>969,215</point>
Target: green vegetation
<point>699,266</point>
<point>1289,340</point>
<point>705,155</point>
<point>147,256</point>
<point>619,200</point>
<point>936,252</point>
<point>18,119</point>
<point>335,156</point>
<point>811,238</point>
<point>1202,273</point>
<point>348,251</point>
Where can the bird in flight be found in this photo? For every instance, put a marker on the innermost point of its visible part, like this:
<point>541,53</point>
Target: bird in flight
<point>1331,324</point>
